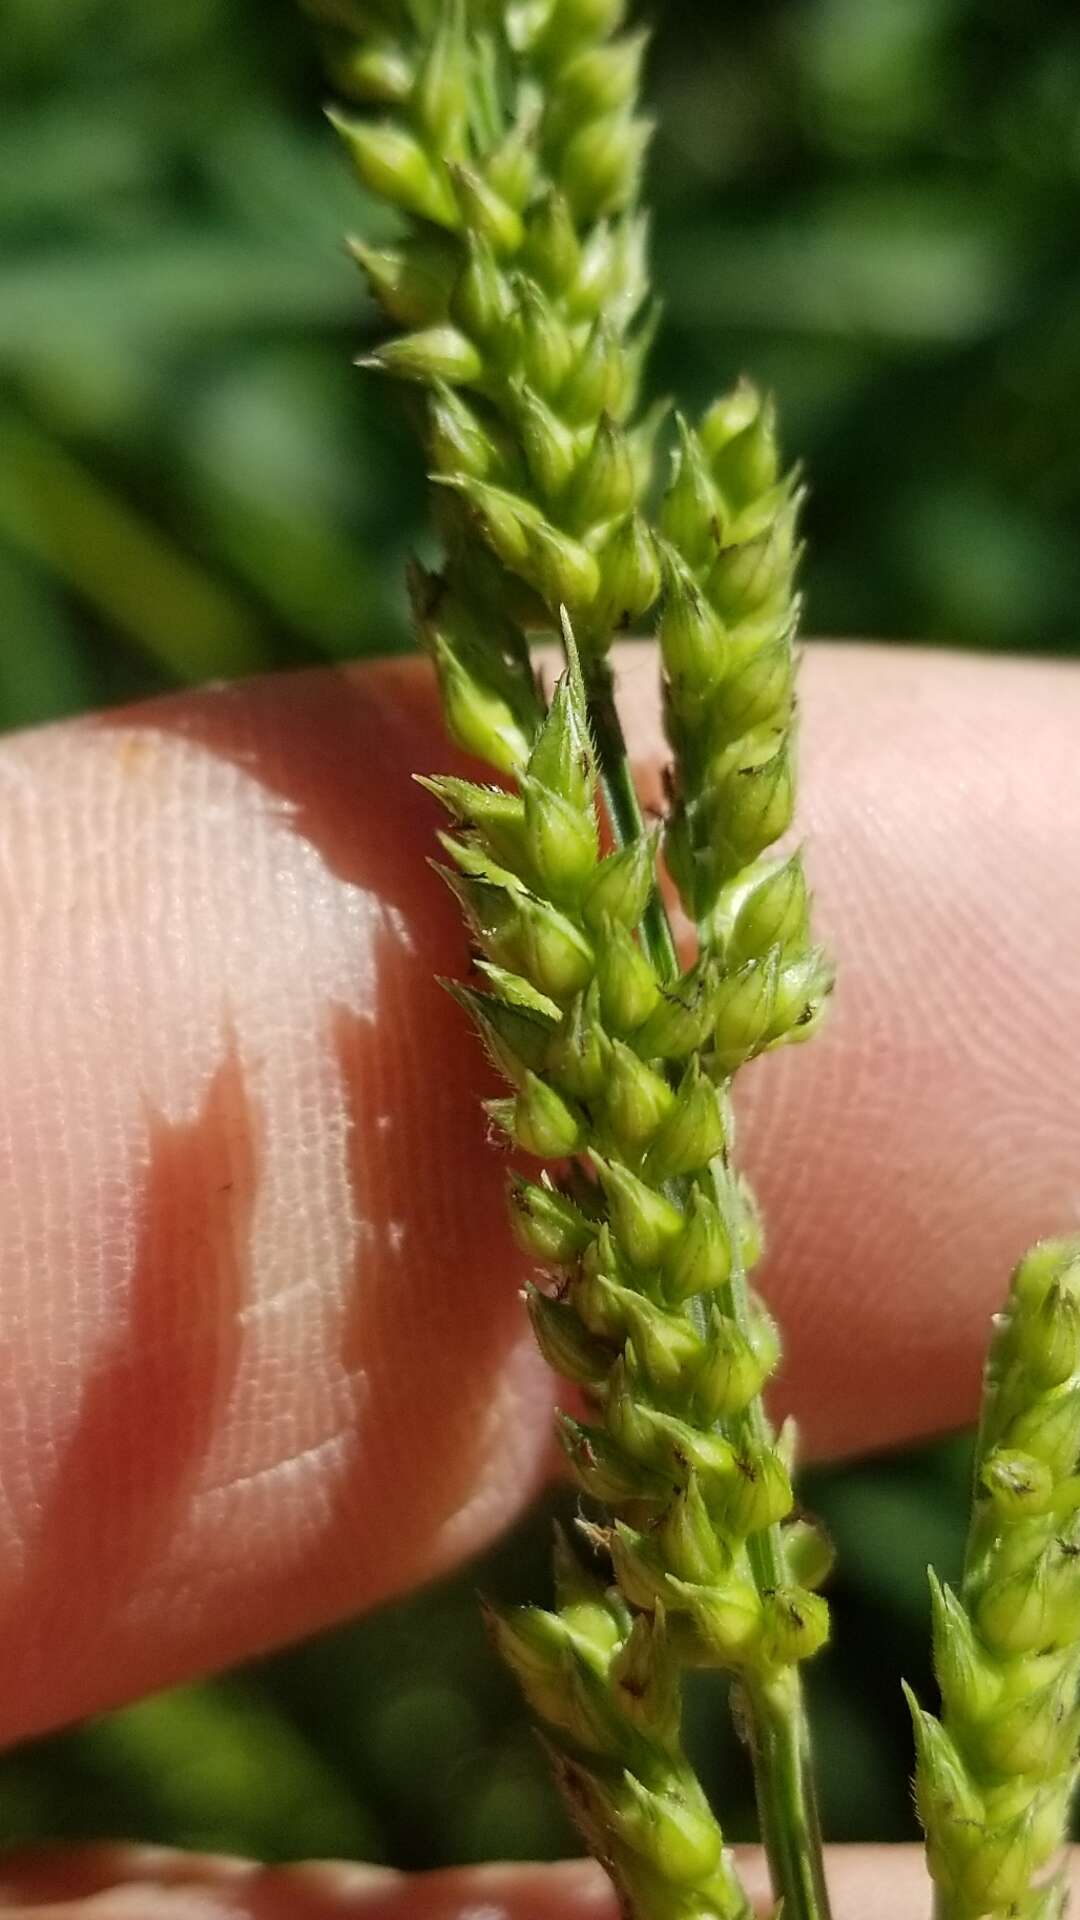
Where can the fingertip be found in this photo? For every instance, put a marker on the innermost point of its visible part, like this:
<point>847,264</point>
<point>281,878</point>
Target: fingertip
<point>264,1346</point>
<point>908,1157</point>
<point>264,1356</point>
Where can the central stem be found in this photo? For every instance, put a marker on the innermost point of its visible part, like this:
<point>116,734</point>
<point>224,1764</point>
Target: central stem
<point>624,807</point>
<point>778,1728</point>
<point>778,1731</point>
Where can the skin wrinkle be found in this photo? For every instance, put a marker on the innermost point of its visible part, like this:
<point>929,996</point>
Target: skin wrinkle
<point>286,1467</point>
<point>252,862</point>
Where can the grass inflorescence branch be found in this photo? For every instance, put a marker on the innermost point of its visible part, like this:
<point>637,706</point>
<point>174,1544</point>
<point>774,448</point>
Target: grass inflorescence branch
<point>509,139</point>
<point>995,1773</point>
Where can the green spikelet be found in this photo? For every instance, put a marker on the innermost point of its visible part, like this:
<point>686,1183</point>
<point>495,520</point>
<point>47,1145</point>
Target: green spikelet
<point>727,639</point>
<point>994,1775</point>
<point>510,142</point>
<point>522,281</point>
<point>627,1318</point>
<point>646,1311</point>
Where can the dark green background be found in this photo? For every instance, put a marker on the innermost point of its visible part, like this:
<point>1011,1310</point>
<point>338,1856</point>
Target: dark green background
<point>870,204</point>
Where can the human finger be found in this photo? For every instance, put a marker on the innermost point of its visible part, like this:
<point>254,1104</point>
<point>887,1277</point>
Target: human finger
<point>263,1358</point>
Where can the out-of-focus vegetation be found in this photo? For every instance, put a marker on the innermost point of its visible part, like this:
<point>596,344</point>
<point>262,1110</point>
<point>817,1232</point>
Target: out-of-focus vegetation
<point>874,205</point>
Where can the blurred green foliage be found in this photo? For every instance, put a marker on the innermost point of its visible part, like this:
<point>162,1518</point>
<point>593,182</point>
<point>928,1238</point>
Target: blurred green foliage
<point>871,204</point>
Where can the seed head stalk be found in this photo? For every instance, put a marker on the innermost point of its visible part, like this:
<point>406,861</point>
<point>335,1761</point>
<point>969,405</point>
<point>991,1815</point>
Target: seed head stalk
<point>774,1713</point>
<point>509,138</point>
<point>996,1770</point>
<point>776,1717</point>
<point>624,806</point>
